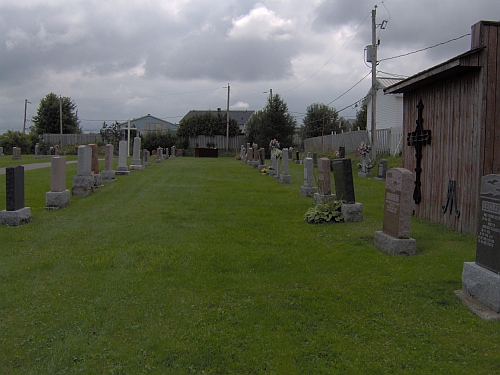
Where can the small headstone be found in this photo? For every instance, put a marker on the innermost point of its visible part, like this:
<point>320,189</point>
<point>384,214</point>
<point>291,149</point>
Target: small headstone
<point>122,168</point>
<point>242,152</point>
<point>324,194</point>
<point>108,174</point>
<point>278,167</point>
<point>255,162</point>
<point>15,212</point>
<point>272,170</point>
<point>136,164</point>
<point>285,178</point>
<point>146,155</point>
<point>83,182</point>
<point>58,196</point>
<point>382,170</point>
<point>308,189</point>
<point>16,153</point>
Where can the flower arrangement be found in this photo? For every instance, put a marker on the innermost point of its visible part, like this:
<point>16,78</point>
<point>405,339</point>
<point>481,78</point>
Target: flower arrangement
<point>274,144</point>
<point>364,149</point>
<point>264,171</point>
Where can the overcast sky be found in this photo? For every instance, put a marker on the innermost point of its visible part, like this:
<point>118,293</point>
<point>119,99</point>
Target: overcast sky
<point>122,59</point>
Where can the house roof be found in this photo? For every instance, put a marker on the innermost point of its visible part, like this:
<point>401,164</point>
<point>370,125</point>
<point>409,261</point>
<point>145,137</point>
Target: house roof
<point>241,116</point>
<point>148,116</point>
<point>457,65</point>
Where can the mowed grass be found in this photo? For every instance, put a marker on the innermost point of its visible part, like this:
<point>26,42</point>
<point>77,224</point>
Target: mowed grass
<point>206,266</point>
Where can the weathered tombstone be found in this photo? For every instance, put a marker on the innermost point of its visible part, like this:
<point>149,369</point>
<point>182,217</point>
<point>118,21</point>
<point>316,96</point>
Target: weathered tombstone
<point>342,152</point>
<point>58,196</point>
<point>83,182</point>
<point>15,213</point>
<point>308,189</point>
<point>122,168</point>
<point>172,152</point>
<point>146,155</point>
<point>108,174</point>
<point>94,165</point>
<point>262,159</point>
<point>16,153</point>
<point>158,153</point>
<point>285,178</point>
<point>398,206</point>
<point>272,169</point>
<point>481,279</point>
<point>136,163</point>
<point>382,170</point>
<point>324,194</point>
<point>37,150</point>
<point>344,190</point>
<point>1,151</point>
<point>290,154</point>
<point>255,162</point>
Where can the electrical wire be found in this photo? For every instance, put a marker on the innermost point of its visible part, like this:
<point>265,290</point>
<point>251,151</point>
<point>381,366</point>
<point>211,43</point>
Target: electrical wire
<point>357,83</point>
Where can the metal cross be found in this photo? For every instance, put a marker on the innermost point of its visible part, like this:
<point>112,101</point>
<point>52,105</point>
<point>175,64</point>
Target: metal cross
<point>418,138</point>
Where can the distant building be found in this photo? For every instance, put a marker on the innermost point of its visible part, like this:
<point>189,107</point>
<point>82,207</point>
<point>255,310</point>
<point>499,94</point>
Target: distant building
<point>241,116</point>
<point>149,123</point>
<point>389,107</point>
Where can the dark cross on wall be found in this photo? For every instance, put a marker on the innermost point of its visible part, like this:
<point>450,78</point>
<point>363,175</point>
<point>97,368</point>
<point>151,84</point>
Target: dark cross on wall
<point>418,139</point>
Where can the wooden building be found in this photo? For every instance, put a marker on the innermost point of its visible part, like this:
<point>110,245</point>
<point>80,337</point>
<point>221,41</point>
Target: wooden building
<point>459,131</point>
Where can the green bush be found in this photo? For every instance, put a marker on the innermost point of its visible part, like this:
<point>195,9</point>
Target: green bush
<point>11,139</point>
<point>325,213</point>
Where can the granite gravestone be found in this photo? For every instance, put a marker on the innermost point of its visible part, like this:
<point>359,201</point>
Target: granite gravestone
<point>15,213</point>
<point>136,163</point>
<point>285,178</point>
<point>344,184</point>
<point>255,162</point>
<point>58,196</point>
<point>147,156</point>
<point>159,155</point>
<point>481,279</point>
<point>172,152</point>
<point>37,150</point>
<point>398,206</point>
<point>308,189</point>
<point>16,153</point>
<point>122,168</point>
<point>324,194</point>
<point>108,174</point>
<point>83,182</point>
<point>382,170</point>
<point>315,159</point>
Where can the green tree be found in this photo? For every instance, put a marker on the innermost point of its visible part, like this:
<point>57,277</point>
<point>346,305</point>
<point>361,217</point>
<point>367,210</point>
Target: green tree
<point>47,118</point>
<point>321,120</point>
<point>361,118</point>
<point>272,122</point>
<point>111,133</point>
<point>208,124</point>
<point>11,139</point>
<point>154,139</point>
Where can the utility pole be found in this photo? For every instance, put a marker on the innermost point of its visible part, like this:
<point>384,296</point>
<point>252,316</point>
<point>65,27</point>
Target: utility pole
<point>60,121</point>
<point>25,110</point>
<point>374,85</point>
<point>227,119</point>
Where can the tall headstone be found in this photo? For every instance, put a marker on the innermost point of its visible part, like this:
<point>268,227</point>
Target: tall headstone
<point>481,279</point>
<point>108,174</point>
<point>382,170</point>
<point>324,194</point>
<point>242,153</point>
<point>58,196</point>
<point>83,182</point>
<point>262,159</point>
<point>16,153</point>
<point>344,190</point>
<point>94,165</point>
<point>249,154</point>
<point>15,213</point>
<point>308,189</point>
<point>136,164</point>
<point>255,162</point>
<point>278,167</point>
<point>315,159</point>
<point>122,168</point>
<point>285,178</point>
<point>398,206</point>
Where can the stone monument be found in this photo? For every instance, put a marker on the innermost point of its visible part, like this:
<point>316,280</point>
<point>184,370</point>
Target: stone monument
<point>262,159</point>
<point>58,196</point>
<point>83,182</point>
<point>108,174</point>
<point>308,189</point>
<point>147,155</point>
<point>382,170</point>
<point>136,163</point>
<point>94,166</point>
<point>16,153</point>
<point>344,190</point>
<point>159,155</point>
<point>122,168</point>
<point>272,170</point>
<point>285,178</point>
<point>15,213</point>
<point>324,194</point>
<point>398,206</point>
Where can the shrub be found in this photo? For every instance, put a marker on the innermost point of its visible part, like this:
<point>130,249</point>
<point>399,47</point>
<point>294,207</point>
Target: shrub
<point>324,213</point>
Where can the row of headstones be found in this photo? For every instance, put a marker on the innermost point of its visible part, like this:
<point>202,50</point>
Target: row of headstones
<point>51,151</point>
<point>87,179</point>
<point>255,157</point>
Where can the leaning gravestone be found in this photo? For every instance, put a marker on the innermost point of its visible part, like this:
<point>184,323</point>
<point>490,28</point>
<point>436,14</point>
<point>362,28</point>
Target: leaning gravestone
<point>136,164</point>
<point>308,189</point>
<point>324,194</point>
<point>398,206</point>
<point>122,168</point>
<point>58,196</point>
<point>382,170</point>
<point>344,190</point>
<point>16,153</point>
<point>108,174</point>
<point>481,280</point>
<point>285,178</point>
<point>83,182</point>
<point>15,213</point>
<point>94,165</point>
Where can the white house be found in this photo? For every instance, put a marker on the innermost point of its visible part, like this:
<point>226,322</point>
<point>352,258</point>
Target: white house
<point>389,106</point>
<point>149,123</point>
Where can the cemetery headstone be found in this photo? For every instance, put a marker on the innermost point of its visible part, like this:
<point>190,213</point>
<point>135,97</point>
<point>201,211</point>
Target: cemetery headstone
<point>172,152</point>
<point>37,150</point>
<point>16,153</point>
<point>179,152</point>
<point>342,152</point>
<point>15,213</point>
<point>308,189</point>
<point>58,196</point>
<point>94,165</point>
<point>272,169</point>
<point>285,178</point>
<point>481,279</point>
<point>278,166</point>
<point>255,162</point>
<point>324,194</point>
<point>122,168</point>
<point>382,170</point>
<point>344,190</point>
<point>262,159</point>
<point>136,163</point>
<point>398,206</point>
<point>56,150</point>
<point>83,182</point>
<point>108,174</point>
<point>242,153</point>
<point>365,166</point>
<point>297,158</point>
<point>146,155</point>
<point>158,155</point>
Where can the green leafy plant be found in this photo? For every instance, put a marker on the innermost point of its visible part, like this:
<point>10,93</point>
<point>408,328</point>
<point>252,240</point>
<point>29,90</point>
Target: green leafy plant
<point>325,213</point>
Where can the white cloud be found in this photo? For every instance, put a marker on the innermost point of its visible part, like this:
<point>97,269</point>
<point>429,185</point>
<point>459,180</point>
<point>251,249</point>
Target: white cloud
<point>240,105</point>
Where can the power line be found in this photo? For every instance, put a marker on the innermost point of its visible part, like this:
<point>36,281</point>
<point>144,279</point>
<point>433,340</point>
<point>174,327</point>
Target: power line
<point>338,97</point>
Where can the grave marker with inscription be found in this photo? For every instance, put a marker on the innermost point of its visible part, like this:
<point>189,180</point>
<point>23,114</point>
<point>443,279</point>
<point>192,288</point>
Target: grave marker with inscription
<point>15,213</point>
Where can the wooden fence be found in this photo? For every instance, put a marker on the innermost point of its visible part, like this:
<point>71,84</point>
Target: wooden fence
<point>71,139</point>
<point>217,141</point>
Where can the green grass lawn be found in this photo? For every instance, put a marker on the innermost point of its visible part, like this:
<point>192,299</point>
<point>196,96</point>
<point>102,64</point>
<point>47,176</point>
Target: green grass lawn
<point>206,266</point>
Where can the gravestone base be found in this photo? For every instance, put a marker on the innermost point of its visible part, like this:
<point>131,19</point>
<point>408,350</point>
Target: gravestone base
<point>323,199</point>
<point>272,172</point>
<point>97,180</point>
<point>82,186</point>
<point>482,284</point>
<point>108,176</point>
<point>15,218</point>
<point>135,167</point>
<point>352,212</point>
<point>379,179</point>
<point>285,179</point>
<point>122,171</point>
<point>395,246</point>
<point>55,200</point>
<point>307,191</point>
<point>158,160</point>
<point>364,174</point>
